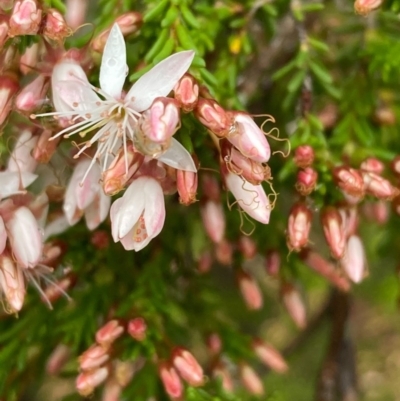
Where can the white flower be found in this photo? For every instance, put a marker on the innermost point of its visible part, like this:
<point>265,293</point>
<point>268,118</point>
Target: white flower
<point>112,114</point>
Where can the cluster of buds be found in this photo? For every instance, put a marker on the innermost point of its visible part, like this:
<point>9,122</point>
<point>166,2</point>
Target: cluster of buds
<point>94,362</point>
<point>306,177</point>
<point>182,365</point>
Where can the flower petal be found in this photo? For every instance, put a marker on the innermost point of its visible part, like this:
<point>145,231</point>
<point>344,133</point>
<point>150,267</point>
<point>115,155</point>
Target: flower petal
<point>12,182</point>
<point>3,236</point>
<point>178,157</point>
<point>154,212</point>
<point>160,80</point>
<point>113,67</point>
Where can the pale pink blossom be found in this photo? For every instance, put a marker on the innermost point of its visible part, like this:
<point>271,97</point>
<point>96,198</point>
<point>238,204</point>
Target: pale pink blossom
<point>93,357</point>
<point>251,380</point>
<point>86,196</point>
<point>114,116</point>
<point>270,356</point>
<point>109,332</point>
<point>76,12</point>
<point>32,95</point>
<point>213,217</point>
<point>171,381</point>
<point>251,198</point>
<point>251,291</point>
<point>138,216</point>
<point>86,382</point>
<point>188,367</point>
<point>57,359</point>
<point>354,261</point>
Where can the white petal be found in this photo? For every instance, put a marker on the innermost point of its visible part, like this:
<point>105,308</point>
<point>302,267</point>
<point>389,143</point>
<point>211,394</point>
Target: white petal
<point>160,80</point>
<point>55,227</point>
<point>97,212</point>
<point>178,157</point>
<point>21,158</point>
<point>12,182</point>
<point>154,212</point>
<point>113,67</point>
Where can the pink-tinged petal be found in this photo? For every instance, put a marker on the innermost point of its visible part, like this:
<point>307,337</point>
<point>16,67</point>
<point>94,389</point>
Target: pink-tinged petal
<point>12,182</point>
<point>3,236</point>
<point>178,157</point>
<point>70,86</point>
<point>25,236</point>
<point>160,80</point>
<point>129,243</point>
<point>154,212</point>
<point>55,227</point>
<point>97,211</point>
<point>113,67</point>
<point>354,260</point>
<point>12,282</point>
<point>251,198</point>
<point>21,159</point>
<point>87,189</point>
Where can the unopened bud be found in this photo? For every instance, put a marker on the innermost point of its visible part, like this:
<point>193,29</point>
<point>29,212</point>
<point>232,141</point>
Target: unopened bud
<point>376,211</point>
<point>76,12</point>
<point>270,356</point>
<point>93,357</point>
<point>364,7</point>
<point>213,217</point>
<point>372,165</point>
<point>205,262</point>
<point>128,23</point>
<point>186,92</point>
<point>8,88</point>
<point>172,383</point>
<point>107,334</point>
<point>250,379</point>
<point>247,247</point>
<point>349,219</point>
<point>45,149</point>
<point>350,181</point>
<point>211,187</point>
<point>55,27</point>
<point>122,169</point>
<point>379,187</point>
<point>250,291</point>
<point>304,156</point>
<point>294,304</point>
<point>214,343</point>
<point>186,184</point>
<point>354,260</point>
<point>57,359</point>
<point>25,18</point>
<point>221,372</point>
<point>299,225</point>
<point>29,59</point>
<point>306,181</point>
<point>188,367</point>
<point>213,116</point>
<point>273,262</point>
<point>32,95</point>
<point>334,231</point>
<point>224,252</point>
<point>86,382</point>
<point>137,328</point>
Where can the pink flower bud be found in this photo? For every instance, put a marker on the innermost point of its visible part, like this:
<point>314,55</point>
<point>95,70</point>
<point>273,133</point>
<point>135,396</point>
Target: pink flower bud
<point>33,95</point>
<point>25,237</point>
<point>161,120</point>
<point>186,92</point>
<point>186,184</point>
<point>270,356</point>
<point>221,372</point>
<point>250,379</point>
<point>93,357</point>
<point>128,23</point>
<point>76,12</point>
<point>8,88</point>
<point>273,263</point>
<point>172,383</point>
<point>247,247</point>
<point>137,328</point>
<point>86,382</point>
<point>334,230</point>
<point>304,156</point>
<point>241,165</point>
<point>107,334</point>
<point>349,219</point>
<point>246,136</point>
<point>294,305</point>
<point>122,169</point>
<point>205,262</point>
<point>213,217</point>
<point>325,269</point>
<point>372,165</point>
<point>306,181</point>
<point>350,181</point>
<point>376,211</point>
<point>250,290</point>
<point>379,187</point>
<point>29,59</point>
<point>188,367</point>
<point>211,187</point>
<point>214,343</point>
<point>213,116</point>
<point>364,7</point>
<point>44,148</point>
<point>354,260</point>
<point>57,359</point>
<point>299,225</point>
<point>55,27</point>
<point>25,18</point>
<point>4,27</point>
<point>12,282</point>
<point>21,159</point>
<point>224,252</point>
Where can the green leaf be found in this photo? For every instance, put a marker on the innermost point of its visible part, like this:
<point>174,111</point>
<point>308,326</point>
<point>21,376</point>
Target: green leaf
<point>296,82</point>
<point>317,44</point>
<point>170,17</point>
<point>284,70</point>
<point>189,18</point>
<point>156,11</point>
<point>320,73</point>
<point>185,38</point>
<point>157,46</point>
